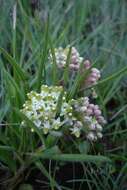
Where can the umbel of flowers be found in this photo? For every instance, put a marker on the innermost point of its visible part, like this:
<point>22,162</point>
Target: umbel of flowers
<point>61,55</point>
<point>79,117</point>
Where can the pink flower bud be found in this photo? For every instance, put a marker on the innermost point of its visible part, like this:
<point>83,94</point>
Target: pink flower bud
<point>91,106</point>
<point>91,79</point>
<point>74,51</point>
<point>97,112</point>
<point>94,70</point>
<point>94,75</point>
<point>87,64</point>
<point>101,119</point>
<point>89,111</point>
<point>96,107</point>
<point>74,60</point>
<point>71,66</point>
<point>74,67</point>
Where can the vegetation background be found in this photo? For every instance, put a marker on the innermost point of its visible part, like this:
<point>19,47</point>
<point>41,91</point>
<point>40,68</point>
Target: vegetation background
<point>98,29</point>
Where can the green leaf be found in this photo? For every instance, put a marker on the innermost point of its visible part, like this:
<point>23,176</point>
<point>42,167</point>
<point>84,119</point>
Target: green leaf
<point>78,81</point>
<point>42,70</point>
<point>74,157</point>
<point>14,64</point>
<point>51,140</point>
<point>52,150</point>
<point>13,89</point>
<point>84,147</point>
<point>59,103</point>
<point>66,70</point>
<point>6,155</point>
<point>31,125</point>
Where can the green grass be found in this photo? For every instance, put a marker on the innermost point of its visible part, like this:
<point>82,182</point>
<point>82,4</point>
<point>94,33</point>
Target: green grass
<point>98,30</point>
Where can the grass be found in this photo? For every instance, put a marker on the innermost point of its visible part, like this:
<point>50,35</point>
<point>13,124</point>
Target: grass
<point>98,30</point>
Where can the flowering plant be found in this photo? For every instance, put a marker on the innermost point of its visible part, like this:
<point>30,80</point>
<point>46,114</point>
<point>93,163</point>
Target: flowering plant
<point>78,117</point>
<point>56,119</point>
<point>56,97</point>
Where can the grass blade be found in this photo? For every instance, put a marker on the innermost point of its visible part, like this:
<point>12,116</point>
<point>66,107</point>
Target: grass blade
<point>75,158</point>
<point>15,66</point>
<point>41,70</point>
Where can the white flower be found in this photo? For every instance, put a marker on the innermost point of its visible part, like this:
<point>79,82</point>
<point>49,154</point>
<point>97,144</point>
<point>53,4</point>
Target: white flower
<point>99,127</point>
<point>83,109</point>
<point>99,135</point>
<point>92,126</point>
<point>91,136</point>
<point>87,119</point>
<point>37,123</point>
<point>76,131</point>
<point>29,114</point>
<point>57,123</point>
<point>46,127</point>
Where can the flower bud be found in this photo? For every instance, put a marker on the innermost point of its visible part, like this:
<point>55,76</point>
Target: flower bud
<point>91,136</point>
<point>99,135</point>
<point>83,109</point>
<point>89,111</point>
<point>87,64</point>
<point>99,127</point>
<point>97,112</point>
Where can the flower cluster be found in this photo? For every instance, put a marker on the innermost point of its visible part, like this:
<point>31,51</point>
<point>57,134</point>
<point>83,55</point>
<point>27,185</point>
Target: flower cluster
<point>93,77</point>
<point>41,108</point>
<point>79,116</point>
<point>89,119</point>
<point>61,58</point>
<point>75,62</point>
